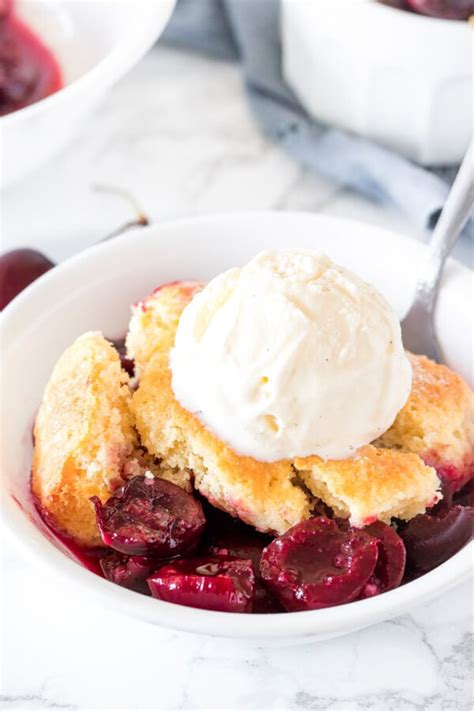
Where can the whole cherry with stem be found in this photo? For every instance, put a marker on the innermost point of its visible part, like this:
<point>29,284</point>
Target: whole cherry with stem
<point>21,267</point>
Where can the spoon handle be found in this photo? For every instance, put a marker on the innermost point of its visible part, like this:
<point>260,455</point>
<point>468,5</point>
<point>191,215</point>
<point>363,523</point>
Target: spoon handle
<point>454,216</point>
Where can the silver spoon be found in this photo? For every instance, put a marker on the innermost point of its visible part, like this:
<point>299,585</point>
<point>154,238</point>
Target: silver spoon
<point>417,327</point>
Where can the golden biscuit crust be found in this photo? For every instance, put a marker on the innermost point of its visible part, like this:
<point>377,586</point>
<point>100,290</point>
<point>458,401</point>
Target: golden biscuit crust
<point>155,320</point>
<point>374,484</point>
<point>259,493</point>
<point>86,440</point>
<point>437,422</point>
<point>84,436</point>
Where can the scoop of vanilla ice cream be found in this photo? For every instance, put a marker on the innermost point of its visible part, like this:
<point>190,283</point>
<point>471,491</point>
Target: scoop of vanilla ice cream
<point>291,356</point>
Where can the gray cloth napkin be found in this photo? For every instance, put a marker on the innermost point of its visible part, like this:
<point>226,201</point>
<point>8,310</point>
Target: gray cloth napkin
<point>248,31</point>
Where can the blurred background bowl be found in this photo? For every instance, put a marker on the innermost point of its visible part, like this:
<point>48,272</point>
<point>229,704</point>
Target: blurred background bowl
<point>398,78</point>
<point>96,43</point>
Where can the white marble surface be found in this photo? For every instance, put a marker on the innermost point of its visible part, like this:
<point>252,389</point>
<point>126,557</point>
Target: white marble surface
<point>177,133</point>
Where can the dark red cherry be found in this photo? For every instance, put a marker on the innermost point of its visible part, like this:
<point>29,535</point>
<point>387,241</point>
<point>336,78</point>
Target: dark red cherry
<point>265,602</point>
<point>18,269</point>
<point>5,8</point>
<point>447,9</point>
<point>316,564</point>
<point>391,560</point>
<point>229,537</point>
<point>399,4</point>
<point>129,571</point>
<point>245,548</point>
<point>248,547</point>
<point>150,517</point>
<point>210,583</point>
<point>430,539</point>
<point>465,497</point>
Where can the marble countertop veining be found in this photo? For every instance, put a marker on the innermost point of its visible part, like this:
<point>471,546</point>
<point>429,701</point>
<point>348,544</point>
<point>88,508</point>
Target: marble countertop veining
<point>178,134</point>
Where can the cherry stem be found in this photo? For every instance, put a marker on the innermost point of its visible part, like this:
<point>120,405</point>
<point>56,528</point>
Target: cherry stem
<point>141,219</point>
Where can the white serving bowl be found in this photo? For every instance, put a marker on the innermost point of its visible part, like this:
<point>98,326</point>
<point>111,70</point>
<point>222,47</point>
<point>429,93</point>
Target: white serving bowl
<point>94,290</point>
<point>96,42</point>
<point>398,78</point>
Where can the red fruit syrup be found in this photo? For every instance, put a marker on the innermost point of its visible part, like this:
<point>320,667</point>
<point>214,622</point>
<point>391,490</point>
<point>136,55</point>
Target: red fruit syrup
<point>29,71</point>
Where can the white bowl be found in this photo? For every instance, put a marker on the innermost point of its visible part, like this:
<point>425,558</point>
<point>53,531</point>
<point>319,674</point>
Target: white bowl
<point>94,290</point>
<point>398,78</point>
<point>96,43</point>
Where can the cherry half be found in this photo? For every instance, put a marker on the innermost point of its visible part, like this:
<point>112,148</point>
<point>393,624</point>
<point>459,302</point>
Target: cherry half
<point>149,516</point>
<point>245,546</point>
<point>214,583</point>
<point>465,497</point>
<point>18,269</point>
<point>129,571</point>
<point>316,564</point>
<point>226,535</point>
<point>390,567</point>
<point>230,537</point>
<point>430,539</point>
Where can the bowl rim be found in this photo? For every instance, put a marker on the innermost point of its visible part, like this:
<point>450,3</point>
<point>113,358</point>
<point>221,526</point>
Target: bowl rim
<point>303,626</point>
<point>122,56</point>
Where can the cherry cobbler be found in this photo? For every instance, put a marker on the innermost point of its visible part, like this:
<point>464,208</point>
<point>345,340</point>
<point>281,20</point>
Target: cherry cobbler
<point>170,507</point>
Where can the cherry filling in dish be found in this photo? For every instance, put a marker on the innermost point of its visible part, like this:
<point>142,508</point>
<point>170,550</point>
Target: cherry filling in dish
<point>147,497</point>
<point>28,69</point>
<point>225,565</point>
